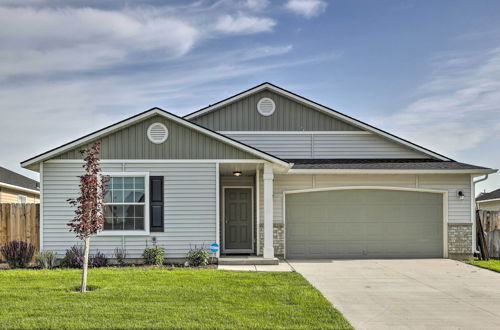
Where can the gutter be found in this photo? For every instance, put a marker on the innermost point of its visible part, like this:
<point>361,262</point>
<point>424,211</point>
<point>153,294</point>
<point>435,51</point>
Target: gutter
<point>11,186</point>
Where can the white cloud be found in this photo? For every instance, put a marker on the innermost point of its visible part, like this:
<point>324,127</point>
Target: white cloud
<point>458,109</point>
<point>79,39</point>
<point>306,8</point>
<point>256,4</point>
<point>242,24</point>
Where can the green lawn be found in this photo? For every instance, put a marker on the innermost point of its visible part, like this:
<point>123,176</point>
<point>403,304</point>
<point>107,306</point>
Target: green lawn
<point>493,264</point>
<point>163,298</point>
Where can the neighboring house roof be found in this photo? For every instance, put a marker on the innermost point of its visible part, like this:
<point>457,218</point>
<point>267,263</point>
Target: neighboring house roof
<point>11,179</point>
<point>413,165</point>
<point>318,107</point>
<point>492,195</point>
<point>146,114</point>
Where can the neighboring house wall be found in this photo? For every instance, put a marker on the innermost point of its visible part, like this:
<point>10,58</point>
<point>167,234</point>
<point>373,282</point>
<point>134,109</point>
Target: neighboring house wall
<point>459,211</point>
<point>8,195</point>
<point>490,206</point>
<point>182,143</point>
<point>189,209</point>
<point>242,115</point>
<point>297,145</point>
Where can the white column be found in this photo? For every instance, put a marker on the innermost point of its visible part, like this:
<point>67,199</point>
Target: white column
<point>268,211</point>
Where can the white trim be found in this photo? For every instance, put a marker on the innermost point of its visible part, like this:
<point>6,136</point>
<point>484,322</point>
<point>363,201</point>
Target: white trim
<point>257,207</point>
<point>217,208</point>
<point>41,206</point>
<point>268,180</point>
<point>146,230</point>
<point>386,171</point>
<point>295,132</point>
<point>14,187</point>
<point>488,200</point>
<point>473,212</point>
<point>160,161</point>
<point>318,107</point>
<point>436,191</point>
<point>147,114</point>
<point>251,250</point>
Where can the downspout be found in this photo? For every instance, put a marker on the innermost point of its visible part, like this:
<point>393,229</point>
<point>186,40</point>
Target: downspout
<point>474,245</point>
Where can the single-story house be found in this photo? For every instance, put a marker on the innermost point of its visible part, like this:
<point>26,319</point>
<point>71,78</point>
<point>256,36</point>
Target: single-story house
<point>267,173</point>
<point>489,201</point>
<point>17,188</point>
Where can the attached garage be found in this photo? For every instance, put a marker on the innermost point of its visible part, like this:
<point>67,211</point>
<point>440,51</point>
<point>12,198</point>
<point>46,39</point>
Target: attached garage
<point>364,223</point>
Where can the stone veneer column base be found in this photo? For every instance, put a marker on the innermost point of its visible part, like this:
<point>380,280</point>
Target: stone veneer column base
<point>460,241</point>
<point>278,239</point>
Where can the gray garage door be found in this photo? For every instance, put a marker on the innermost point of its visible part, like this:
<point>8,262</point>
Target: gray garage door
<point>364,223</point>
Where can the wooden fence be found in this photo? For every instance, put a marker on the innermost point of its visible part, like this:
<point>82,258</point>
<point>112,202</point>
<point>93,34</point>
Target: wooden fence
<point>20,222</point>
<point>490,221</point>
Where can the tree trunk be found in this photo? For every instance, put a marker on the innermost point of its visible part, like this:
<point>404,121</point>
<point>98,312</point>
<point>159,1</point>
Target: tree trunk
<point>85,264</point>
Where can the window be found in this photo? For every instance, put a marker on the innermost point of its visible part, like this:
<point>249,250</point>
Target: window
<point>125,199</point>
<point>21,199</point>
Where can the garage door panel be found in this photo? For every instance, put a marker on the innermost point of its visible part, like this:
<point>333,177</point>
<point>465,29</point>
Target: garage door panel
<point>364,224</point>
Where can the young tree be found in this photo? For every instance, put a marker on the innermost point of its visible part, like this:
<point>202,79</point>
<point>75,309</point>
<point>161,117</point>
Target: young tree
<point>89,212</point>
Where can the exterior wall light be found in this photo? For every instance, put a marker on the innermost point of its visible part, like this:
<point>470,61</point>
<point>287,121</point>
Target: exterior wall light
<point>237,173</point>
<point>460,194</point>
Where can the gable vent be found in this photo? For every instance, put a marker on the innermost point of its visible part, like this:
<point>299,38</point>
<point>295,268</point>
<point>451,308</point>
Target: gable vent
<point>157,133</point>
<point>266,106</point>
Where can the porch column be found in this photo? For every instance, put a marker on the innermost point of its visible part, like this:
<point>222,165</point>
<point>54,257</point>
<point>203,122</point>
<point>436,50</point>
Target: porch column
<point>268,211</point>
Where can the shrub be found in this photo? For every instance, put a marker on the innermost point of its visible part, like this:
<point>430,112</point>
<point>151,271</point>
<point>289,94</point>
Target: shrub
<point>198,257</point>
<point>120,255</point>
<point>153,256</point>
<point>18,254</point>
<point>46,259</point>
<point>98,260</point>
<point>74,258</point>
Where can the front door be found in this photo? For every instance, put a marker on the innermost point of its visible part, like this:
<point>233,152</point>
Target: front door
<point>238,222</point>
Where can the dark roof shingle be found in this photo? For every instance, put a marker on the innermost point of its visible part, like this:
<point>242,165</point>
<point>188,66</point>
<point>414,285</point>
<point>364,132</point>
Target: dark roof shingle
<point>16,179</point>
<point>382,164</point>
<point>491,195</point>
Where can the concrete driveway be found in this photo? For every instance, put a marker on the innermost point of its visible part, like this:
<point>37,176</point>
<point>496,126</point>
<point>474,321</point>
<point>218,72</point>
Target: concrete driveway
<point>408,294</point>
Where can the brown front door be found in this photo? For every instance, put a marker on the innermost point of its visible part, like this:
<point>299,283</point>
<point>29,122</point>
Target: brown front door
<point>238,220</point>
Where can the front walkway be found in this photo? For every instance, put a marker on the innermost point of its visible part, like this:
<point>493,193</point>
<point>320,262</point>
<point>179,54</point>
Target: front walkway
<point>408,294</point>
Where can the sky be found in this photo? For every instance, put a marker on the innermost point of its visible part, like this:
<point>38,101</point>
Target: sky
<point>428,71</point>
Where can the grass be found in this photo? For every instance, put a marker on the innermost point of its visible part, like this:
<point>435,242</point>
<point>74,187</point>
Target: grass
<point>138,298</point>
<point>492,264</point>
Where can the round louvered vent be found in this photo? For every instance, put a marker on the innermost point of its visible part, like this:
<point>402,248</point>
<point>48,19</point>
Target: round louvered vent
<point>157,133</point>
<point>266,106</point>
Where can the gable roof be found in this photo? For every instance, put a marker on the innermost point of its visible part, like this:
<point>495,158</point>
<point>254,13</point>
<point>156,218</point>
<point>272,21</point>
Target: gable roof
<point>143,115</point>
<point>318,107</point>
<point>15,180</point>
<point>492,195</point>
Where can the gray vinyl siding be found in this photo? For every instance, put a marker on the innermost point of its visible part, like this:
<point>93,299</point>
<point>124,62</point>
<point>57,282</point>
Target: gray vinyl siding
<point>183,143</point>
<point>290,115</point>
<point>459,211</point>
<point>326,146</point>
<point>190,208</point>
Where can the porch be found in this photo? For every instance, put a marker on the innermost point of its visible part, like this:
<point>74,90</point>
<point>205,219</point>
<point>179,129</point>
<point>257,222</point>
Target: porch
<point>245,226</point>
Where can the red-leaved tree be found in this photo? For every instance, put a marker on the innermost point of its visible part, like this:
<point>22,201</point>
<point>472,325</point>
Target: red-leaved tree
<point>89,212</point>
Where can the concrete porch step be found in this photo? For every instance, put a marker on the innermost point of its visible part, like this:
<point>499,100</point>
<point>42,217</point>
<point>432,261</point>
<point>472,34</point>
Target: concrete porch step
<point>247,260</point>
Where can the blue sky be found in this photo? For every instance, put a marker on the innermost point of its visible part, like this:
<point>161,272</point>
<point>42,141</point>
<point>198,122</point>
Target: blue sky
<point>428,71</point>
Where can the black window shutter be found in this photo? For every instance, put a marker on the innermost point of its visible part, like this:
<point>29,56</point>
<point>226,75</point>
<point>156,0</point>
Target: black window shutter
<point>156,203</point>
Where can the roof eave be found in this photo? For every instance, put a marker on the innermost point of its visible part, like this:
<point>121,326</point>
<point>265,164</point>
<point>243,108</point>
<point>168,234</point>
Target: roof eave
<point>391,171</point>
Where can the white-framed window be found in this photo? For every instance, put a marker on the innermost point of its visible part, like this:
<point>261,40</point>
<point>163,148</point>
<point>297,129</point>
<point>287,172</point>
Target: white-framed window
<point>126,204</point>
<point>22,199</point>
